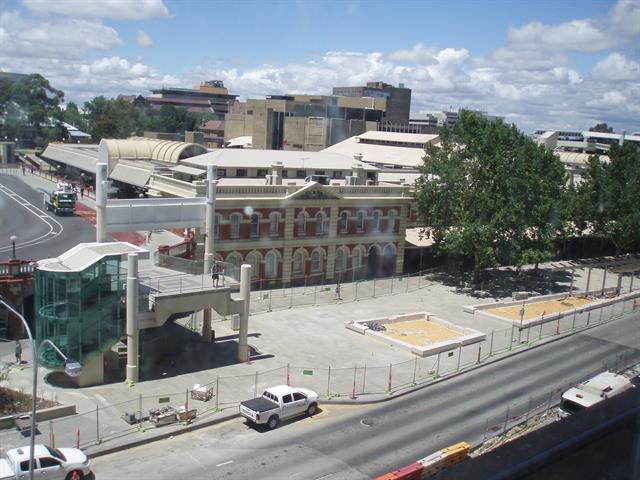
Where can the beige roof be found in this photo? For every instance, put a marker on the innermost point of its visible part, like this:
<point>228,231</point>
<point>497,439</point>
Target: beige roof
<point>379,155</point>
<point>398,177</point>
<point>84,255</point>
<point>196,172</point>
<point>400,137</point>
<point>139,148</point>
<point>83,157</point>
<point>253,158</point>
<point>577,158</point>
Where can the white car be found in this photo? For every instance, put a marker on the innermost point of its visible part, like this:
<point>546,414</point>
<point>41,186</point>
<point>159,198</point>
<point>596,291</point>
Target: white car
<point>49,463</point>
<point>279,403</point>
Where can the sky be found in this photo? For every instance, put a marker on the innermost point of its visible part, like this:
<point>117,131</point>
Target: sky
<point>539,64</point>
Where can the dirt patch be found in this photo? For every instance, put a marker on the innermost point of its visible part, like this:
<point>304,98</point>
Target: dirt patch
<point>534,310</point>
<point>13,401</point>
<point>420,332</point>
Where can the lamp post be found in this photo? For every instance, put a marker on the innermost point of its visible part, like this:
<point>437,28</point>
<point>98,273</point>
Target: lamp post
<point>13,239</point>
<point>71,367</point>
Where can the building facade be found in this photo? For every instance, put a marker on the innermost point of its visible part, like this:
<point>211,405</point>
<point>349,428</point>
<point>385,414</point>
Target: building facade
<point>398,99</point>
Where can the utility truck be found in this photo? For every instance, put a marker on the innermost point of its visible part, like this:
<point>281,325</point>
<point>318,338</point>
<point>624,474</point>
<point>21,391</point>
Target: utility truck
<point>62,200</point>
<point>279,403</point>
<point>49,463</point>
<point>595,390</point>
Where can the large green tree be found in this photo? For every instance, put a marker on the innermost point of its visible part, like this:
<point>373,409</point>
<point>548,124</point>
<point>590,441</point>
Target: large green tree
<point>172,119</point>
<point>73,116</point>
<point>490,193</point>
<point>606,202</point>
<point>113,118</point>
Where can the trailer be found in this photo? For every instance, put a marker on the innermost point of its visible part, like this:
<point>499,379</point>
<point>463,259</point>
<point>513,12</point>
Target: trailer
<point>62,201</point>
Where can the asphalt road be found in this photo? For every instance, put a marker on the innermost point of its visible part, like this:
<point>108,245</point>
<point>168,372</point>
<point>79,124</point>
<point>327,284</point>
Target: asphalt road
<point>336,445</point>
<point>40,234</point>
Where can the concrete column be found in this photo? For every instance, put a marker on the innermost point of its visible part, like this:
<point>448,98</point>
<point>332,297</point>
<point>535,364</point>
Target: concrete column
<point>209,239</point>
<point>101,202</point>
<point>132,317</point>
<point>245,290</point>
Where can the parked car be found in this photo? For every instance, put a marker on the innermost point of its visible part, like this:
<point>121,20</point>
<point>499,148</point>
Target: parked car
<point>49,463</point>
<point>279,403</point>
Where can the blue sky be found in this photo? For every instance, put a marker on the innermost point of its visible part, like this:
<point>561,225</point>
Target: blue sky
<point>540,64</point>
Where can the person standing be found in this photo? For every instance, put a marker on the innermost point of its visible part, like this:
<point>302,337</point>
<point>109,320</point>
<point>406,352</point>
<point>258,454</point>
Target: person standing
<point>18,353</point>
<point>82,191</point>
<point>338,291</point>
<point>215,274</point>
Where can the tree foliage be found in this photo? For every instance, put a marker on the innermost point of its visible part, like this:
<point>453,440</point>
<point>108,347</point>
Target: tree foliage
<point>490,193</point>
<point>602,128</point>
<point>172,119</point>
<point>606,202</point>
<point>113,118</point>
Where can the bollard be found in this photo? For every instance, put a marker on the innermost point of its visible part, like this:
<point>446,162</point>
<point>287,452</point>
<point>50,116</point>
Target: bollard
<point>353,389</point>
<point>390,369</point>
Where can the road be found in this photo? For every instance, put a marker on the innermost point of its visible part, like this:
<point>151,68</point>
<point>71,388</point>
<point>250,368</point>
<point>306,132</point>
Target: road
<point>335,444</point>
<point>39,233</point>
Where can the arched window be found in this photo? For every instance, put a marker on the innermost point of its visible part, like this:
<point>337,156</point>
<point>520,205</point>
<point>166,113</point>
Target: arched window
<point>255,225</point>
<point>216,227</point>
<point>235,225</point>
<point>360,221</point>
<point>375,223</point>
<point>344,221</point>
<point>232,268</point>
<point>302,223</point>
<point>274,220</point>
<point>270,264</point>
<point>356,258</point>
<point>253,259</point>
<point>316,266</point>
<point>341,260</point>
<point>298,263</point>
<point>391,221</point>
<point>319,223</point>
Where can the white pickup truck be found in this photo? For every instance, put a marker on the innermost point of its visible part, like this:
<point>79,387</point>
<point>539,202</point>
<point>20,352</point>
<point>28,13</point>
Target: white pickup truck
<point>279,403</point>
<point>49,463</point>
<point>595,390</point>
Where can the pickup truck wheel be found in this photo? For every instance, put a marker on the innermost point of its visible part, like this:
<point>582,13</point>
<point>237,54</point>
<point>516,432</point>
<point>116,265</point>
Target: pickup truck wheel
<point>273,422</point>
<point>313,408</point>
<point>75,475</point>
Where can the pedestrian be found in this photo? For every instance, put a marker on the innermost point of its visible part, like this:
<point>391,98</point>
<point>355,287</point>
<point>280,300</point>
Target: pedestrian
<point>23,170</point>
<point>18,353</point>
<point>215,274</point>
<point>82,192</point>
<point>149,235</point>
<point>338,291</point>
<point>31,169</point>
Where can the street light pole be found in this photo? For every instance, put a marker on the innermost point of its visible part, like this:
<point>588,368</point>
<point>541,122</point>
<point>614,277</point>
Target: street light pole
<point>72,368</point>
<point>13,239</point>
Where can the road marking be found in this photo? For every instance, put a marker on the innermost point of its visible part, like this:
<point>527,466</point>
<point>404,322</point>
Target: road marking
<point>325,476</point>
<point>197,461</point>
<point>224,463</point>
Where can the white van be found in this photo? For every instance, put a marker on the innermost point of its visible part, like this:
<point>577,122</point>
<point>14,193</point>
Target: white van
<point>595,390</point>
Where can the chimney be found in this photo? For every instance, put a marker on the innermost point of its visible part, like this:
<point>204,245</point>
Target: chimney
<point>276,175</point>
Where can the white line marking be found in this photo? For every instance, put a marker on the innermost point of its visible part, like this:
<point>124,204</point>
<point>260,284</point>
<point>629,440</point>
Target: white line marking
<point>197,461</point>
<point>224,463</point>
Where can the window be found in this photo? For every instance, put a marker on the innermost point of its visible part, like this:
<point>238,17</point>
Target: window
<point>285,173</point>
<point>302,224</point>
<point>274,223</point>
<point>341,260</point>
<point>320,172</point>
<point>319,223</point>
<point>48,462</point>
<point>356,258</point>
<point>337,174</point>
<point>301,173</point>
<point>298,396</point>
<point>315,261</point>
<point>376,221</point>
<point>241,172</point>
<point>255,225</point>
<point>360,221</point>
<point>222,172</point>
<point>235,225</point>
<point>288,398</point>
<point>254,260</point>
<point>344,221</point>
<point>233,266</point>
<point>262,172</point>
<point>216,227</point>
<point>391,221</point>
<point>298,263</point>
<point>270,264</point>
<point>24,466</point>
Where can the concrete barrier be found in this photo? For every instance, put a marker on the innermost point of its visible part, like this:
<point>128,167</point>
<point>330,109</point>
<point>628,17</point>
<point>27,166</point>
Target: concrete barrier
<point>41,415</point>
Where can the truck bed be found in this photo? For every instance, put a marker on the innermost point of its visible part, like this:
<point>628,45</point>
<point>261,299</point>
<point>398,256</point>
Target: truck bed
<point>259,404</point>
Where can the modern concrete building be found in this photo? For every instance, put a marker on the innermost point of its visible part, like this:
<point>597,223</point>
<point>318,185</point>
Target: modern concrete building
<point>397,99</point>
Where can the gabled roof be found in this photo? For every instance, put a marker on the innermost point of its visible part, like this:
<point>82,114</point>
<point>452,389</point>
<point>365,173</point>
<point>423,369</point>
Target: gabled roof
<point>314,191</point>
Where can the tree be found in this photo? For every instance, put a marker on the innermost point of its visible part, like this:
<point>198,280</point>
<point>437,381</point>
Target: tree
<point>172,119</point>
<point>490,193</point>
<point>113,118</point>
<point>73,116</point>
<point>607,199</point>
<point>601,127</point>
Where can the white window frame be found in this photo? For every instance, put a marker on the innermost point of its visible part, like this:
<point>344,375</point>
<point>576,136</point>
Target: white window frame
<point>234,220</point>
<point>271,268</point>
<point>298,261</point>
<point>255,224</point>
<point>360,220</point>
<point>344,221</point>
<point>392,216</point>
<point>375,220</point>
<point>342,266</point>
<point>302,223</point>
<point>274,224</point>
<point>316,266</point>
<point>320,221</point>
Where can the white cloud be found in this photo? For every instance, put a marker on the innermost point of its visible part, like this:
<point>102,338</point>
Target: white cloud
<point>63,38</point>
<point>625,17</point>
<point>617,67</point>
<point>144,40</point>
<point>420,54</point>
<point>576,35</point>
<point>115,9</point>
<point>611,98</point>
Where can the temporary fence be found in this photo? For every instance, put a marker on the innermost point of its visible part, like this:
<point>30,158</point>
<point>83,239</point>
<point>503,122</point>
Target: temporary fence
<point>107,423</point>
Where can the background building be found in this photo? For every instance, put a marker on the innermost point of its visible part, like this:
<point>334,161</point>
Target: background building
<point>397,99</point>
